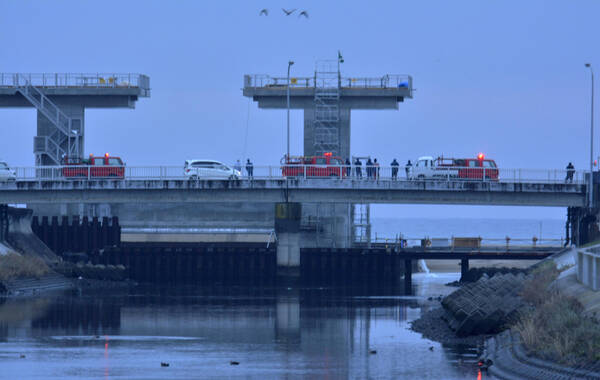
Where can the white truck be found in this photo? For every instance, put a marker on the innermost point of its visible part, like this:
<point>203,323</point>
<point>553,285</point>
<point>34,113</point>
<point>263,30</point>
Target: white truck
<point>427,167</point>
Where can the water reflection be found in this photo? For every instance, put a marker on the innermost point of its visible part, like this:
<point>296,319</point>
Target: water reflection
<point>272,332</point>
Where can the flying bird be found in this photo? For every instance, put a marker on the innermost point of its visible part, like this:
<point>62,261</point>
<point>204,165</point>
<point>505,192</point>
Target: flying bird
<point>287,13</point>
<point>303,13</point>
<point>264,12</point>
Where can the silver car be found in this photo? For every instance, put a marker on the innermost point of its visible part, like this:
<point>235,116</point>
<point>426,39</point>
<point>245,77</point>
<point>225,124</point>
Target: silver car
<point>209,169</point>
<point>6,173</point>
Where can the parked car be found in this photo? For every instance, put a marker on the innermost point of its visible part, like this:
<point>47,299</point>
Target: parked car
<point>209,169</point>
<point>106,166</point>
<point>325,166</point>
<point>6,173</point>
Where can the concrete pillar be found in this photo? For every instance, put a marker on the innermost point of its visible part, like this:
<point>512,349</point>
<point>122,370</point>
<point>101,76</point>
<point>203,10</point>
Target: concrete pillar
<point>344,133</point>
<point>287,228</point>
<point>408,277</point>
<point>464,268</point>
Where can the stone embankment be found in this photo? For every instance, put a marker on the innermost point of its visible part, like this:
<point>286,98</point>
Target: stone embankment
<point>485,306</point>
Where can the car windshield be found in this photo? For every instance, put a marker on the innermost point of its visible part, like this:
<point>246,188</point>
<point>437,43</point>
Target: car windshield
<point>3,165</point>
<point>115,161</point>
<point>489,164</point>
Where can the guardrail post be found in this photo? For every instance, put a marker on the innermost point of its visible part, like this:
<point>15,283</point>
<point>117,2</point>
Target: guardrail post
<point>270,173</point>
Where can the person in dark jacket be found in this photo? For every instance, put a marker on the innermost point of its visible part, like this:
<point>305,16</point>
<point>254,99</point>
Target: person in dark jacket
<point>408,168</point>
<point>250,168</point>
<point>369,166</point>
<point>358,169</point>
<point>394,166</point>
<point>348,167</point>
<point>570,172</point>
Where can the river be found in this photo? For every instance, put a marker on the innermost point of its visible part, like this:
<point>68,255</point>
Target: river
<point>273,333</point>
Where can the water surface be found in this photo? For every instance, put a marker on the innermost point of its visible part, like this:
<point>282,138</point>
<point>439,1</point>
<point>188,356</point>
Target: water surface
<point>274,333</point>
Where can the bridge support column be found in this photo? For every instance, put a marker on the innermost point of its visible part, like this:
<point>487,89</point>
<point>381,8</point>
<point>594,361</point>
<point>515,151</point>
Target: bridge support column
<point>3,222</point>
<point>464,268</point>
<point>287,228</point>
<point>408,277</point>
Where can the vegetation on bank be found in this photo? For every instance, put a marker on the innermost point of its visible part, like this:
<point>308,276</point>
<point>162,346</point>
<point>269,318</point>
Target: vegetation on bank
<point>13,266</point>
<point>555,328</point>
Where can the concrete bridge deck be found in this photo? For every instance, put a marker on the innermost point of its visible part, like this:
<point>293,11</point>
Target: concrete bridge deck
<point>329,190</point>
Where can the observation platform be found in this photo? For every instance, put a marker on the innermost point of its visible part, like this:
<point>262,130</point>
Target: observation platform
<point>61,100</point>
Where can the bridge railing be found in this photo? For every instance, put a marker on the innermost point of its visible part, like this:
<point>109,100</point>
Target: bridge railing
<point>506,243</point>
<point>331,173</point>
<point>58,80</point>
<point>384,81</point>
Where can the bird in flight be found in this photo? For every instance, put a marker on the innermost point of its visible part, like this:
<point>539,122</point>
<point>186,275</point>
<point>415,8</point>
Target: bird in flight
<point>287,13</point>
<point>303,13</point>
<point>264,12</point>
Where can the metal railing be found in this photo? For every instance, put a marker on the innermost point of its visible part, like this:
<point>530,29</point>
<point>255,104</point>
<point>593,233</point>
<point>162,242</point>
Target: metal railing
<point>485,243</point>
<point>385,81</point>
<point>338,173</point>
<point>94,80</point>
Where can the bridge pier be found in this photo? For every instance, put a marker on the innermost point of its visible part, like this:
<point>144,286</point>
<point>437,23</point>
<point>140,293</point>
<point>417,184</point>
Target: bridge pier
<point>287,229</point>
<point>464,268</point>
<point>408,277</point>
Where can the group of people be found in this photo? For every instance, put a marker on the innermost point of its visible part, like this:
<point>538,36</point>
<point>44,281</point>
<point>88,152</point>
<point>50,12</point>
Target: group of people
<point>249,167</point>
<point>373,170</point>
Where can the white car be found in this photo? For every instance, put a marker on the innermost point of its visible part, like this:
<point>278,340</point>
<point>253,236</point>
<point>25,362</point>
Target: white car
<point>209,169</point>
<point>6,173</point>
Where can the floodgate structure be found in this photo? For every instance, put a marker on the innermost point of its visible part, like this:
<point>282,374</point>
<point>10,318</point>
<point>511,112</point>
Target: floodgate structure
<point>293,218</point>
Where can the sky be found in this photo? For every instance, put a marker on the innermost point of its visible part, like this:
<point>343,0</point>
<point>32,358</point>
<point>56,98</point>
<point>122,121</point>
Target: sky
<point>506,78</point>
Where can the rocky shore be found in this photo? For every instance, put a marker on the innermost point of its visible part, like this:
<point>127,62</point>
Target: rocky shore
<point>481,313</point>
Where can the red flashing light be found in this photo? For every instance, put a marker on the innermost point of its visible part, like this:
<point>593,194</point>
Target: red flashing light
<point>91,155</point>
<point>106,155</point>
<point>327,154</point>
<point>480,156</point>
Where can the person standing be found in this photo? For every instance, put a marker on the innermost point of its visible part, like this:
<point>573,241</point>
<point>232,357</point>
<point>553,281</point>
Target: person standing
<point>358,169</point>
<point>238,165</point>
<point>408,168</point>
<point>375,169</point>
<point>250,168</point>
<point>348,167</point>
<point>394,166</point>
<point>570,172</point>
<point>369,166</point>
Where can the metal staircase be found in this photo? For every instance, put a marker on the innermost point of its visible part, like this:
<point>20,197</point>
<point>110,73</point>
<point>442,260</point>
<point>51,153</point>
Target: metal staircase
<point>65,140</point>
<point>327,108</point>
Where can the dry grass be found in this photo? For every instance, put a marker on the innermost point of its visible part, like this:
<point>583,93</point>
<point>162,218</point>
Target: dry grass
<point>14,266</point>
<point>555,328</point>
<point>535,289</point>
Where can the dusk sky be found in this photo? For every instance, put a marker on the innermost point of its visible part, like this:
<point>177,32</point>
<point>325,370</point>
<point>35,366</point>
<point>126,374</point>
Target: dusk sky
<point>506,78</point>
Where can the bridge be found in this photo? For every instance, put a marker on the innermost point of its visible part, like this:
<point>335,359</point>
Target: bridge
<point>167,184</point>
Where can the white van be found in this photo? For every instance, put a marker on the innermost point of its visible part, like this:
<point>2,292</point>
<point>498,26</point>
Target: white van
<point>6,173</point>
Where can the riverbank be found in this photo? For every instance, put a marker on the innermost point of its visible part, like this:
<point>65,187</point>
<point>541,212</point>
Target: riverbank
<point>553,327</point>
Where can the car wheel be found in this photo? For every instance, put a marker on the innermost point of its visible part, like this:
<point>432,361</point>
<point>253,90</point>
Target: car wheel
<point>420,177</point>
<point>193,177</point>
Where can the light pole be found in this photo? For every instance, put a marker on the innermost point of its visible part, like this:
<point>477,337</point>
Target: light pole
<point>591,185</point>
<point>290,63</point>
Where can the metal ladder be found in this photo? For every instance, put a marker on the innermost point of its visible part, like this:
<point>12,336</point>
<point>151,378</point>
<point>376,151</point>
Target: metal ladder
<point>327,110</point>
<point>65,139</point>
